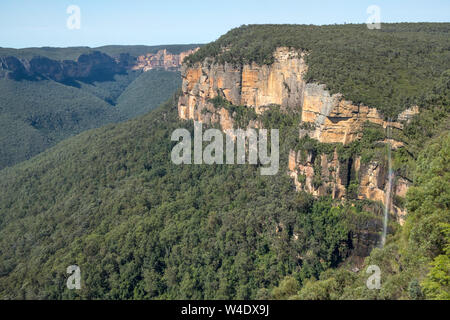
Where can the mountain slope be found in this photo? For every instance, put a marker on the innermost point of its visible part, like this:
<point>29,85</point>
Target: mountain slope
<point>51,98</point>
<point>148,91</point>
<point>111,201</point>
<point>44,112</point>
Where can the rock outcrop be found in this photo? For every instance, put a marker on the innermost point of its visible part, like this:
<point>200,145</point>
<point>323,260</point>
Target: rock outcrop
<point>248,85</point>
<point>92,66</point>
<point>321,175</point>
<point>317,174</point>
<point>408,114</point>
<point>13,68</point>
<point>162,60</point>
<point>335,120</point>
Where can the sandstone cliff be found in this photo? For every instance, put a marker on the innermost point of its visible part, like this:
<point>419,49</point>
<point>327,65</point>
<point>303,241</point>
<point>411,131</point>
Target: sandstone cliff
<point>333,119</point>
<point>161,60</point>
<point>94,66</point>
<point>91,66</point>
<point>249,85</point>
<point>330,119</point>
<point>320,175</point>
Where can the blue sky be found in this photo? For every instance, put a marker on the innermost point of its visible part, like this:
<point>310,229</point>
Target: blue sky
<point>30,23</point>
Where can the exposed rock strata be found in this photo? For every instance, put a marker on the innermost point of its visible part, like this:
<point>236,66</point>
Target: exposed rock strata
<point>249,85</point>
<point>92,66</point>
<point>338,179</point>
<point>334,119</point>
<point>331,119</point>
<point>161,60</point>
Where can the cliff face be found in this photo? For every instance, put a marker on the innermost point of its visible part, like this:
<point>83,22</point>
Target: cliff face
<point>161,60</point>
<point>92,66</point>
<point>331,119</point>
<point>95,66</point>
<point>334,119</point>
<point>249,85</point>
<point>321,175</point>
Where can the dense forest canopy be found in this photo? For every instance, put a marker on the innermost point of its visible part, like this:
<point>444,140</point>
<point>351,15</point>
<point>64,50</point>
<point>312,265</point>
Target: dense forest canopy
<point>141,227</point>
<point>391,68</point>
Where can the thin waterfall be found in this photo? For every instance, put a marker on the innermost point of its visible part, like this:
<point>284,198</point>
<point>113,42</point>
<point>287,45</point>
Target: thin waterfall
<point>387,203</point>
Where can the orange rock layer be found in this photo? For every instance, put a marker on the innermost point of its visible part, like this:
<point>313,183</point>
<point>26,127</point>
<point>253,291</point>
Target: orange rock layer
<point>249,85</point>
<point>334,179</point>
<point>161,60</point>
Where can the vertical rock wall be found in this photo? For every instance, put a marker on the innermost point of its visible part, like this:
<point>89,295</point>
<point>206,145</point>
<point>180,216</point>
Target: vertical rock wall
<point>331,119</point>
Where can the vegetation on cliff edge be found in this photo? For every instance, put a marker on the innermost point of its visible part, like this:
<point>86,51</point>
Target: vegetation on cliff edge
<point>391,69</point>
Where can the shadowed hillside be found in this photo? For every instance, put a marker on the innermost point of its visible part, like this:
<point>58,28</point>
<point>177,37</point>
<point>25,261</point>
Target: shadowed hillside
<point>49,94</point>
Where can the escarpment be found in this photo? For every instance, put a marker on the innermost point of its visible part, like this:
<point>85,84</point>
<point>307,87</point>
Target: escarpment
<point>163,59</point>
<point>322,174</point>
<point>327,118</point>
<point>336,120</point>
<point>93,66</point>
<point>248,85</point>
